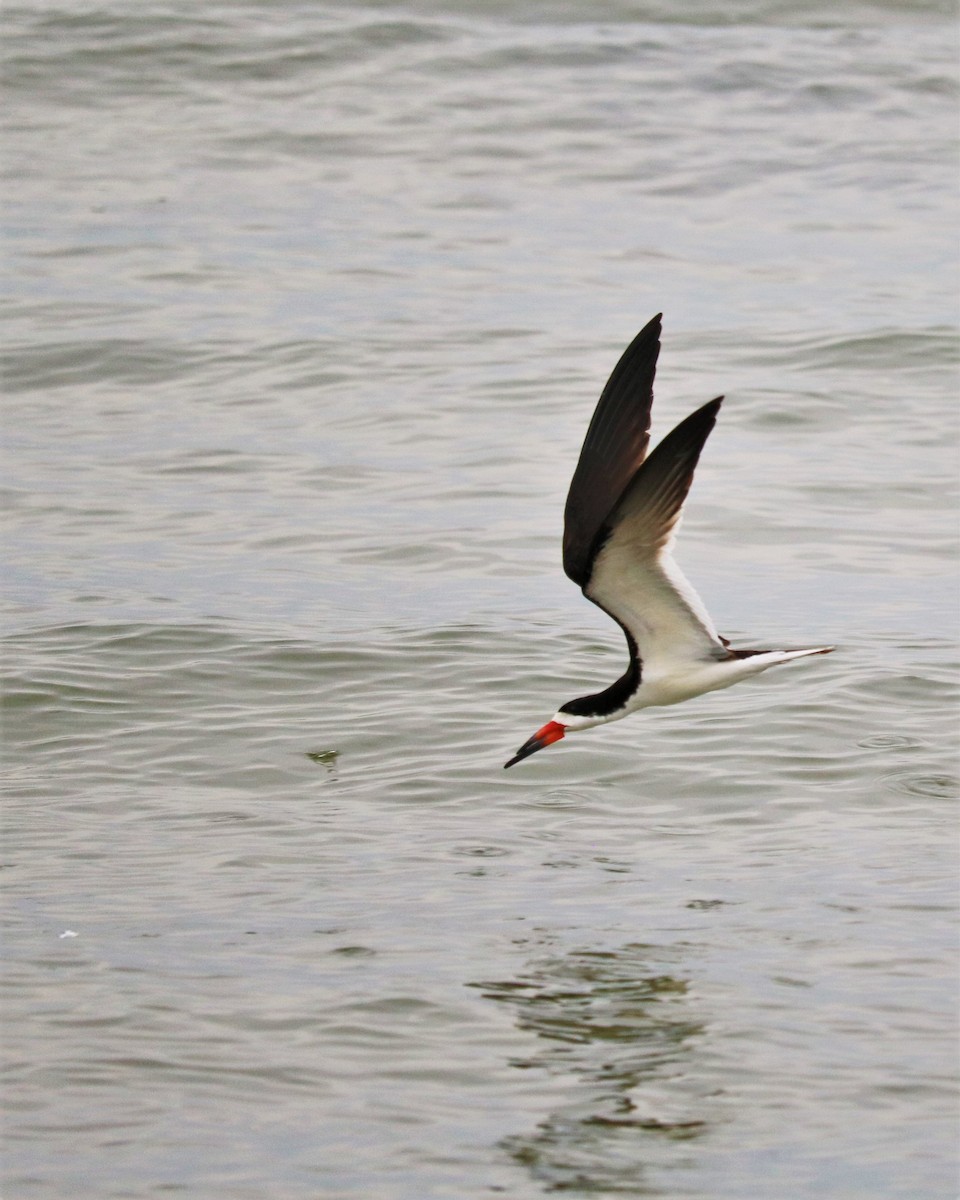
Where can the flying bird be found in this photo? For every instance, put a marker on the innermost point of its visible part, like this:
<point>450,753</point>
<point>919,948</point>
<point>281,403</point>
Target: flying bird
<point>621,514</point>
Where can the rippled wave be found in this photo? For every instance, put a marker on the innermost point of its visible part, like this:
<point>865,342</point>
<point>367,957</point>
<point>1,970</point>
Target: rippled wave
<point>312,306</point>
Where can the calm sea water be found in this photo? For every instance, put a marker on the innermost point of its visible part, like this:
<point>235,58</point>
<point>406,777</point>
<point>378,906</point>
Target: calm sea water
<point>310,307</point>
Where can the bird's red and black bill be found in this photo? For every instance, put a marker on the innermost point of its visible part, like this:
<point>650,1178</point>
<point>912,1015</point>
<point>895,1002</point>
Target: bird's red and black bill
<point>552,732</point>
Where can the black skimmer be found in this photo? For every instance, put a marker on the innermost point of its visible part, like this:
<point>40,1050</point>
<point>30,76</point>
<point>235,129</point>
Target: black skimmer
<point>621,514</point>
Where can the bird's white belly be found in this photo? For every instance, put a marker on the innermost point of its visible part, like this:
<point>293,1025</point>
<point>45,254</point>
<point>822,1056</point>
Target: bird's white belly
<point>658,689</point>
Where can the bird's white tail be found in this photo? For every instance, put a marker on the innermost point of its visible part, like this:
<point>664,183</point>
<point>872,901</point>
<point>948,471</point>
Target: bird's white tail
<point>769,658</point>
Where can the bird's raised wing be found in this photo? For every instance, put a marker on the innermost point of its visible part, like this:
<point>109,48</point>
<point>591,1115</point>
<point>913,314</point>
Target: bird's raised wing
<point>634,577</point>
<point>615,446</point>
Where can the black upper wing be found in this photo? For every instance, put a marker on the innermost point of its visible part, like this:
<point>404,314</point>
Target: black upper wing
<point>650,507</point>
<point>613,449</point>
<point>634,577</point>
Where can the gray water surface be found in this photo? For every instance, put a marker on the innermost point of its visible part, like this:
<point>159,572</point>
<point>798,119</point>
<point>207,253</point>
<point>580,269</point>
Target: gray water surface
<point>310,306</point>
